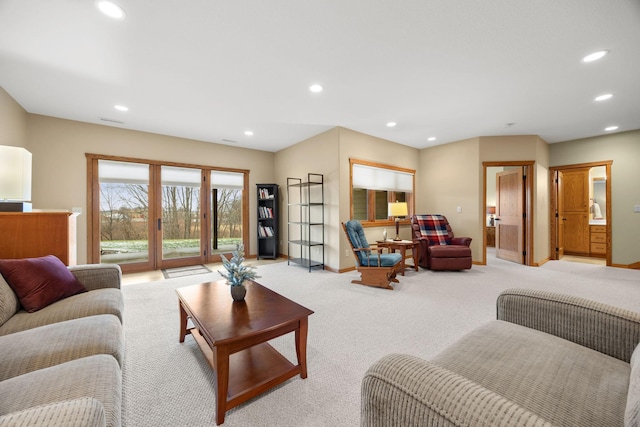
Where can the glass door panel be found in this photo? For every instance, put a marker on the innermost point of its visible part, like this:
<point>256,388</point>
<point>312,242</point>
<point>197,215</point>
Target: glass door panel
<point>180,201</point>
<point>124,212</point>
<point>226,203</point>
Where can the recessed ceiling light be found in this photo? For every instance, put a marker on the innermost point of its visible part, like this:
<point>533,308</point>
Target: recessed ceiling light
<point>110,9</point>
<point>595,56</point>
<point>431,138</point>
<point>121,108</point>
<point>603,97</point>
<point>610,128</point>
<point>248,132</point>
<point>391,124</point>
<point>316,88</point>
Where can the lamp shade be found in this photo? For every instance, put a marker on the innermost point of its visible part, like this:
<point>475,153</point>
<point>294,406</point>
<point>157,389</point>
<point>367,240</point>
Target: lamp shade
<point>491,210</point>
<point>398,209</point>
<point>15,173</point>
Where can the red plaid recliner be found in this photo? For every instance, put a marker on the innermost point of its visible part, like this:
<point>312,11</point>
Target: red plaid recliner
<point>439,249</point>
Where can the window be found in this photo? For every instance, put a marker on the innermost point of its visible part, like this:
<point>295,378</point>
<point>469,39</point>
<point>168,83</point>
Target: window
<point>150,215</point>
<point>374,186</point>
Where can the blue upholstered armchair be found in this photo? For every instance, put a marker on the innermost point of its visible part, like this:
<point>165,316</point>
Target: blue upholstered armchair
<point>376,267</point>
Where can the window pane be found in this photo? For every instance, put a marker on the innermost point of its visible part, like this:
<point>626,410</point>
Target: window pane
<point>226,202</point>
<point>124,212</point>
<point>180,212</point>
<point>382,204</point>
<point>360,204</point>
<point>375,185</point>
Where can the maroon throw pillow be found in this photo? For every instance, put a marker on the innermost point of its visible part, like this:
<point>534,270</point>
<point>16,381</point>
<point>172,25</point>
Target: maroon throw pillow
<point>39,282</point>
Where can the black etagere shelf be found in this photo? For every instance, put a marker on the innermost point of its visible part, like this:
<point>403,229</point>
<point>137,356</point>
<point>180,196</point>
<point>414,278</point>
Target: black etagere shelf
<point>305,221</point>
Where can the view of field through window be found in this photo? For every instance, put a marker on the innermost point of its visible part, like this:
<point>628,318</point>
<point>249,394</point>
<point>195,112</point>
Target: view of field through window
<point>125,220</point>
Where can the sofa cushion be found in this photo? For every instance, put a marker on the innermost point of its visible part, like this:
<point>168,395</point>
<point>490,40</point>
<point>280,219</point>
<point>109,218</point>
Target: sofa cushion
<point>563,382</point>
<point>100,301</point>
<point>434,228</point>
<point>50,345</point>
<point>632,413</point>
<point>39,282</point>
<point>97,376</point>
<point>386,260</point>
<point>84,412</point>
<point>449,251</point>
<point>9,304</point>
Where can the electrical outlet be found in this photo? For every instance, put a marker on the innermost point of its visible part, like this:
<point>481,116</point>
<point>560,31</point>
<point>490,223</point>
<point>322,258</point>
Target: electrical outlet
<point>346,252</point>
<point>636,208</point>
<point>459,209</point>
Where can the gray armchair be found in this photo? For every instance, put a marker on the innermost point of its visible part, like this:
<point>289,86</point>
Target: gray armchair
<point>548,360</point>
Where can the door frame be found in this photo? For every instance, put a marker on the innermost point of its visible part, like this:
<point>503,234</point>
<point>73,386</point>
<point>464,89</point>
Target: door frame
<point>553,202</point>
<point>528,206</point>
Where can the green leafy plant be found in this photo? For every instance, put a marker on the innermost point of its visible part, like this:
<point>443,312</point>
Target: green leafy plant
<point>237,272</point>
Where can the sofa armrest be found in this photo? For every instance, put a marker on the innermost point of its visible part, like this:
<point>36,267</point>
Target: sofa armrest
<point>98,276</point>
<point>462,241</point>
<point>601,327</point>
<point>84,412</point>
<point>408,391</point>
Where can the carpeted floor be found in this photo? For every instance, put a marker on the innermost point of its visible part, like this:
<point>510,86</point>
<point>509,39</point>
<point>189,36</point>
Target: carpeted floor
<point>170,384</point>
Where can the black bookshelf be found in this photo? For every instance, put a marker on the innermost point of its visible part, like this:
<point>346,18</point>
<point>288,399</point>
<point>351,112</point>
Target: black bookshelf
<point>267,221</point>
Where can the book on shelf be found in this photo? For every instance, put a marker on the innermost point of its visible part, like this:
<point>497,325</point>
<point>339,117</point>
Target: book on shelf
<point>264,194</point>
<point>265,212</point>
<point>265,231</point>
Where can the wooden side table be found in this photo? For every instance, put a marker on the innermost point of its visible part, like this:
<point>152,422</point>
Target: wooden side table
<point>491,236</point>
<point>402,246</point>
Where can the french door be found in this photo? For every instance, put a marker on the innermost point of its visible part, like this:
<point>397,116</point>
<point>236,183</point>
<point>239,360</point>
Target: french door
<point>146,215</point>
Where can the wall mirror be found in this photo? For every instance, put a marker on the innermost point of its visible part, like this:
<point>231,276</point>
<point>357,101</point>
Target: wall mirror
<point>598,195</point>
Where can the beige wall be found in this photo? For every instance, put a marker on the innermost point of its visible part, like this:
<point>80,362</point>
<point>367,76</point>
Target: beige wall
<point>59,163</point>
<point>329,153</point>
<point>447,176</point>
<point>13,121</point>
<point>318,154</point>
<point>451,176</point>
<point>359,146</point>
<point>624,150</point>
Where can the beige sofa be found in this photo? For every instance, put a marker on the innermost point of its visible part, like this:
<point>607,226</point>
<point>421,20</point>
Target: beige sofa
<point>62,365</point>
<point>549,360</point>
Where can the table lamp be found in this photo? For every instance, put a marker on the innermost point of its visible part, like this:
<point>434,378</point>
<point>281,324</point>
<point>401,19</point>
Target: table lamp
<point>15,179</point>
<point>491,210</point>
<point>397,210</point>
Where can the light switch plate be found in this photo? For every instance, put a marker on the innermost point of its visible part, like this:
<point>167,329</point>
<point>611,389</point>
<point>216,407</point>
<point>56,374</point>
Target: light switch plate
<point>459,209</point>
<point>636,208</point>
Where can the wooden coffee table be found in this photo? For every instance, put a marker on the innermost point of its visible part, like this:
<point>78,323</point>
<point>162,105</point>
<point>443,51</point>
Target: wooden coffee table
<point>233,337</point>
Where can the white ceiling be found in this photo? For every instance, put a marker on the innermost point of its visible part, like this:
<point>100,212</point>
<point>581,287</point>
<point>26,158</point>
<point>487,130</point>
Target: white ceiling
<point>211,69</point>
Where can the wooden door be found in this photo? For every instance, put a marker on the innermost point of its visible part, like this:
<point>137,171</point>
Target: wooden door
<point>510,215</point>
<point>559,215</point>
<point>575,211</point>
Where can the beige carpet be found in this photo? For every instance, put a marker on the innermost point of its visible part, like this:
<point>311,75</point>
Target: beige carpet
<point>170,384</point>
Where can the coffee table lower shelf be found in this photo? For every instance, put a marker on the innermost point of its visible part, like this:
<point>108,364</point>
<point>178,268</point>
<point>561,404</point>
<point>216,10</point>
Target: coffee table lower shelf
<point>251,371</point>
